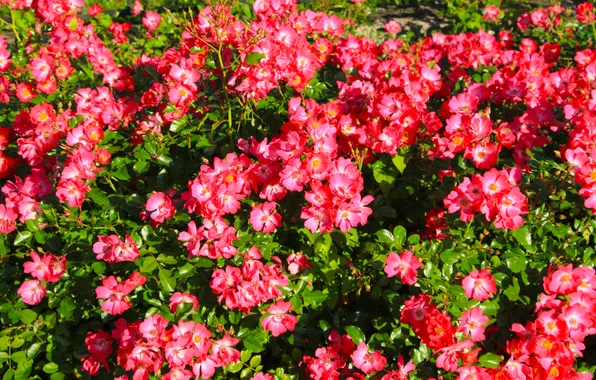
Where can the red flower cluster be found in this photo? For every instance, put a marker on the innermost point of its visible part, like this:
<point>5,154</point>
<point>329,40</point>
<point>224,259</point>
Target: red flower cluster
<point>119,31</point>
<point>218,190</point>
<point>46,269</point>
<point>495,194</point>
<point>546,18</point>
<point>432,326</point>
<point>218,237</point>
<point>23,198</point>
<point>583,165</point>
<point>585,13</point>
<point>144,346</point>
<point>547,347</point>
<point>250,285</point>
<point>333,361</point>
<point>158,209</point>
<point>330,362</point>
<point>115,293</point>
<point>277,320</point>
<point>434,329</point>
<point>113,250</point>
<point>285,52</point>
<point>404,265</point>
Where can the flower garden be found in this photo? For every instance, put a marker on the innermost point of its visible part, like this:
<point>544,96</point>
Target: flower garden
<point>258,190</point>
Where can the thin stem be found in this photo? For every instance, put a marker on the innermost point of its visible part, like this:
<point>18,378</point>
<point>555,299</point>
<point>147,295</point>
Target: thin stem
<point>14,28</point>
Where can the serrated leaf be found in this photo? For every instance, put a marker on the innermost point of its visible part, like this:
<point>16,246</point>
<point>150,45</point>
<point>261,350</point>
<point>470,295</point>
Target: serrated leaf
<point>169,260</point>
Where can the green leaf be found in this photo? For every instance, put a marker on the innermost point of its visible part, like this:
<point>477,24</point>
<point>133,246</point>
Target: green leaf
<point>413,239</point>
<point>28,316</point>
<point>8,374</point>
<point>254,58</point>
<point>149,264</point>
<point>385,237</point>
<point>450,257</point>
<point>66,308</point>
<point>186,271</point>
<point>99,267</point>
<point>399,234</point>
<point>140,166</point>
<point>169,260</point>
<point>146,231</point>
<point>422,354</point>
<point>32,225</point>
<point>512,291</point>
<point>245,355</point>
<point>22,237</point>
<point>34,350</point>
<point>179,124</point>
<point>255,361</point>
<point>314,298</point>
<point>383,174</point>
<point>183,308</point>
<point>235,367</point>
<point>523,237</point>
<point>50,367</point>
<point>246,372</point>
<point>165,160</point>
<point>121,173</point>
<point>167,281</point>
<point>517,264</point>
<point>356,334</point>
<point>254,342</point>
<point>490,360</point>
<point>399,162</point>
<point>99,197</point>
<point>23,370</point>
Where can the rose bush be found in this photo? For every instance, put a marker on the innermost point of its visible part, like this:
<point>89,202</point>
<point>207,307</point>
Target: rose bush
<point>258,192</point>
